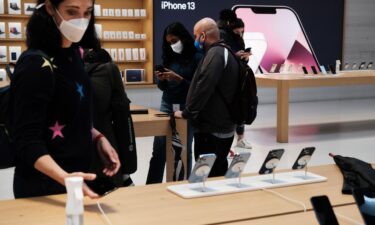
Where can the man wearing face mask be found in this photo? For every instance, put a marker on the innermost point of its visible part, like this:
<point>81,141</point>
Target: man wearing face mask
<point>180,59</point>
<point>51,102</point>
<point>219,70</point>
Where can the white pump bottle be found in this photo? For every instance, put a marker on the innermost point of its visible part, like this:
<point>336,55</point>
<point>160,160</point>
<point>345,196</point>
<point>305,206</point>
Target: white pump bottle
<point>74,204</point>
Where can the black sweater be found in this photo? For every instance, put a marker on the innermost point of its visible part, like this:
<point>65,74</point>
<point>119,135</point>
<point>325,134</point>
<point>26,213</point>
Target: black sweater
<point>51,112</point>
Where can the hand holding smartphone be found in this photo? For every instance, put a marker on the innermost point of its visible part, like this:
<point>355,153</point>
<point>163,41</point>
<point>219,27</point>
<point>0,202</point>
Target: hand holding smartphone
<point>102,186</point>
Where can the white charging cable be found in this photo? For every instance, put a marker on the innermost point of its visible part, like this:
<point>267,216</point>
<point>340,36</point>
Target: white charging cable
<point>107,220</point>
<point>287,198</point>
<point>350,220</point>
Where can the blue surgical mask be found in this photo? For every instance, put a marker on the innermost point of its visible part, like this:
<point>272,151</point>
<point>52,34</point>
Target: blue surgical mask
<point>198,45</point>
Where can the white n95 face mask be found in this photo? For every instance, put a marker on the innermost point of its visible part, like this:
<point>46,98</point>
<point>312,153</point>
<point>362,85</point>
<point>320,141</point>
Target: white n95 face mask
<point>177,47</point>
<point>74,29</point>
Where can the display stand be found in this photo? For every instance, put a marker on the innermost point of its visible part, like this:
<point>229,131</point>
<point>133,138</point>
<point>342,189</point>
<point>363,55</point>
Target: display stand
<point>221,187</point>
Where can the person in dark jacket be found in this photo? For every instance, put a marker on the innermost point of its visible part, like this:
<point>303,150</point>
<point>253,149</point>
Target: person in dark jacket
<point>231,31</point>
<point>180,58</point>
<point>213,127</point>
<point>112,112</point>
<point>51,103</point>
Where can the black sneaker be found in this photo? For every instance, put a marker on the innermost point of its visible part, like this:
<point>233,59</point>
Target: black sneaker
<point>2,56</point>
<point>14,6</point>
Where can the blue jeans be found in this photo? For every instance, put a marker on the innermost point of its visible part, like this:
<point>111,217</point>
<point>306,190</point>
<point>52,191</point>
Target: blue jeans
<point>157,162</point>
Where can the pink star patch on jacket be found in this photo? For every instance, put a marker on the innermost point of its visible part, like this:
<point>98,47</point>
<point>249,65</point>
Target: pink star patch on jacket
<point>57,130</point>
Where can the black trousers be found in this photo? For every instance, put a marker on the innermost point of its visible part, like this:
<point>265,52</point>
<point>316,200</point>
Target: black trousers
<point>35,186</point>
<point>207,143</point>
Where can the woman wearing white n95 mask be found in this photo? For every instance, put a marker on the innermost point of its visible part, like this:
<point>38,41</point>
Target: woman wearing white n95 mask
<point>180,59</point>
<point>51,102</point>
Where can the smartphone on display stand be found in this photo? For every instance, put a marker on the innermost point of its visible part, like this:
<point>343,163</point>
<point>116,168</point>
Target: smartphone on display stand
<point>102,186</point>
<point>323,210</point>
<point>315,71</point>
<point>305,70</point>
<point>276,35</point>
<point>323,70</point>
<point>202,169</point>
<point>237,166</point>
<point>369,66</point>
<point>362,66</point>
<point>271,162</point>
<point>302,160</point>
<point>365,199</point>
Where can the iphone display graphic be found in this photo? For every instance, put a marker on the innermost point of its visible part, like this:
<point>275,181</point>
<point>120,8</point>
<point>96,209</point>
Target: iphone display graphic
<point>276,36</point>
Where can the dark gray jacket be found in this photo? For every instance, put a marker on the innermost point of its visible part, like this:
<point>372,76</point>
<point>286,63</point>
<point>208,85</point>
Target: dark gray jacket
<point>204,106</point>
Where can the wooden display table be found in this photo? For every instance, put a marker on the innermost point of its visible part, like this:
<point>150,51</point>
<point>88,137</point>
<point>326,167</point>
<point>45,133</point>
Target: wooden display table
<point>283,82</point>
<point>153,204</point>
<point>308,218</point>
<point>150,125</point>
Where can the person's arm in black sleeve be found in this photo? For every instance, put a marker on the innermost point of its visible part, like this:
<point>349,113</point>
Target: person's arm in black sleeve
<point>123,124</point>
<point>208,77</point>
<point>32,91</point>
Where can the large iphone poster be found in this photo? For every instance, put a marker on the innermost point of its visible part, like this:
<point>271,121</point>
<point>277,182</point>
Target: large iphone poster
<point>289,32</point>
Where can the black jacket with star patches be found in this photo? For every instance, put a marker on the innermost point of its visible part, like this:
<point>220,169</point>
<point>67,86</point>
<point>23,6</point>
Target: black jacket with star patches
<point>51,112</point>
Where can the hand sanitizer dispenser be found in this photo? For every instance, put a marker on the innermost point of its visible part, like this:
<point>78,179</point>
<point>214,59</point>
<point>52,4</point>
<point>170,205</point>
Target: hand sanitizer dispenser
<point>74,204</point>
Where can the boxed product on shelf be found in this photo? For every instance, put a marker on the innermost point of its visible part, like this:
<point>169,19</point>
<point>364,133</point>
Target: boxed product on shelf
<point>137,13</point>
<point>124,35</point>
<point>3,54</point>
<point>106,35</point>
<point>98,29</point>
<point>1,6</point>
<point>124,12</point>
<point>142,54</point>
<point>143,13</point>
<point>118,35</point>
<point>137,36</point>
<point>97,10</point>
<point>143,36</point>
<point>112,35</point>
<point>134,75</point>
<point>14,7</point>
<point>114,54</point>
<point>118,13</point>
<point>128,54</point>
<point>2,30</point>
<point>15,30</point>
<point>130,12</point>
<point>3,75</point>
<point>29,8</point>
<point>131,34</point>
<point>135,54</point>
<point>121,55</point>
<point>111,12</point>
<point>14,53</point>
<point>105,12</point>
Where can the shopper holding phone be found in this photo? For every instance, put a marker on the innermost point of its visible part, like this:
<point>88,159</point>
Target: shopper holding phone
<point>51,102</point>
<point>180,60</point>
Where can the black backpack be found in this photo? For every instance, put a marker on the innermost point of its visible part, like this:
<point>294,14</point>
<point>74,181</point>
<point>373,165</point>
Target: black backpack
<point>243,108</point>
<point>7,155</point>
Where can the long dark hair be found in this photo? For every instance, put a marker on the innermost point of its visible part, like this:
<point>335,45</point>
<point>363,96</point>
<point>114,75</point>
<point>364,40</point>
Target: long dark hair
<point>42,32</point>
<point>187,54</point>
